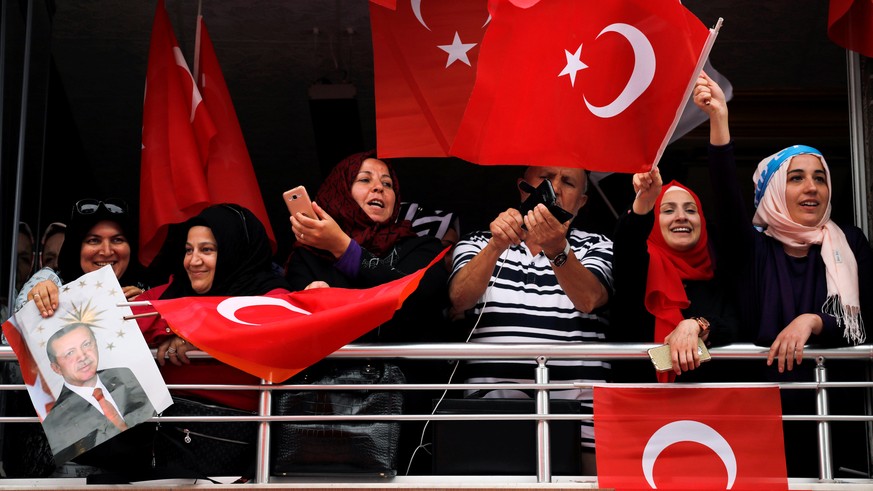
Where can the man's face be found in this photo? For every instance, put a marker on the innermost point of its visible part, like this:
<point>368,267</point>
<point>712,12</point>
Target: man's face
<point>76,354</point>
<point>569,184</point>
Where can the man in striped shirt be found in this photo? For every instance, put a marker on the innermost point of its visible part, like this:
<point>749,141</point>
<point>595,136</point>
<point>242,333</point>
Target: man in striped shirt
<point>544,283</point>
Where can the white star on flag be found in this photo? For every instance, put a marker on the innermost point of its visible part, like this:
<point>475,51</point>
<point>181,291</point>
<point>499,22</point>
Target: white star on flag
<point>457,50</point>
<point>574,64</point>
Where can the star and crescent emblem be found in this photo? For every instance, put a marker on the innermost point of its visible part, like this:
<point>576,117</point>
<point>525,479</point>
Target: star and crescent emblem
<point>640,79</point>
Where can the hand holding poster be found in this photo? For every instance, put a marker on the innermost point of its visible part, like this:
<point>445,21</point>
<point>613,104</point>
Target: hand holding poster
<point>93,365</point>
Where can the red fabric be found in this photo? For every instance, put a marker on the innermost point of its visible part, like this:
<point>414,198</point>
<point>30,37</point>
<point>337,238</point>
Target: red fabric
<point>229,172</point>
<point>176,134</point>
<point>155,330</point>
<point>420,100</point>
<point>30,371</point>
<point>522,111</point>
<point>668,268</point>
<point>632,437</point>
<point>275,342</point>
<point>850,25</point>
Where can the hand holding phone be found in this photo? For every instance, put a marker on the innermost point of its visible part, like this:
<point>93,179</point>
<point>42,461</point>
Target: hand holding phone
<point>663,361</point>
<point>545,194</point>
<point>297,200</point>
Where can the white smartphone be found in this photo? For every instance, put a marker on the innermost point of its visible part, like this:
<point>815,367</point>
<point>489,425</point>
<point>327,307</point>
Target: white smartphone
<point>297,200</point>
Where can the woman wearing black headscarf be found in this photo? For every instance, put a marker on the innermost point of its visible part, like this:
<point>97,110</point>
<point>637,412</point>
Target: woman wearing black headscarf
<point>223,251</point>
<point>100,233</point>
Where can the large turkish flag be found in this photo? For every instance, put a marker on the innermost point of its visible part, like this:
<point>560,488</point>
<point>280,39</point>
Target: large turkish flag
<point>424,56</point>
<point>689,438</point>
<point>229,172</point>
<point>274,337</point>
<point>581,83</point>
<point>176,132</point>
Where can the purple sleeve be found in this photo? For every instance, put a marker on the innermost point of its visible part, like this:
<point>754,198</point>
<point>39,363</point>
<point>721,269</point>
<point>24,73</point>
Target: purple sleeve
<point>349,263</point>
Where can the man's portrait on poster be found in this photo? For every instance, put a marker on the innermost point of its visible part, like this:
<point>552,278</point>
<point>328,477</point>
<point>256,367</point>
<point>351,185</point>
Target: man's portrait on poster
<point>94,365</point>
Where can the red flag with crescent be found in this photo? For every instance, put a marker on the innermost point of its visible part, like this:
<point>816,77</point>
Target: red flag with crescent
<point>595,84</point>
<point>689,438</point>
<point>176,134</point>
<point>424,56</point>
<point>275,337</point>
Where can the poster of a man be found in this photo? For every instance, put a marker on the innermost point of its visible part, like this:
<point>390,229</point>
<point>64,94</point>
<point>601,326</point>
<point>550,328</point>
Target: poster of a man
<point>96,404</point>
<point>87,365</point>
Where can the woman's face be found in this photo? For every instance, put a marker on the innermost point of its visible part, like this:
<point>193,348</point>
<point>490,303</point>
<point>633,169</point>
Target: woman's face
<point>201,256</point>
<point>373,190</point>
<point>105,244</point>
<point>679,220</point>
<point>806,191</point>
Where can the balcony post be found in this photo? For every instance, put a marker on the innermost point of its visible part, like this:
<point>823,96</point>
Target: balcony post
<point>825,457</point>
<point>544,464</point>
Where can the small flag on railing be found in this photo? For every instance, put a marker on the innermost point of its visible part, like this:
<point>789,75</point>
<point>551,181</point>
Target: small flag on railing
<point>689,438</point>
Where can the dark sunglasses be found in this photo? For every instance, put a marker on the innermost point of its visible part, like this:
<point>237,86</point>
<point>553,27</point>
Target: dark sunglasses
<point>90,206</point>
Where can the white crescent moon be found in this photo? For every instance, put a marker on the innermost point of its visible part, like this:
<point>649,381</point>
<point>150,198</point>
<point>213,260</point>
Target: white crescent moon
<point>416,10</point>
<point>688,431</point>
<point>642,76</point>
<point>228,307</point>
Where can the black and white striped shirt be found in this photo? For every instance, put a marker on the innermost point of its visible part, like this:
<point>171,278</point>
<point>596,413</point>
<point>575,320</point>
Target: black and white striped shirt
<point>524,303</point>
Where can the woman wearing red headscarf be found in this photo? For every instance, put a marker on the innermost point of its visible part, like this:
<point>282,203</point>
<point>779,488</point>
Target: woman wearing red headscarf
<point>357,242</point>
<point>666,287</point>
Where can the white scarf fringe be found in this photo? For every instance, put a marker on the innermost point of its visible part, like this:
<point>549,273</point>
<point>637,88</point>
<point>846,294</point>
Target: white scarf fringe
<point>848,317</point>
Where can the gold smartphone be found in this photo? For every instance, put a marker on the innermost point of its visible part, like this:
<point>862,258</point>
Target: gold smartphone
<point>663,362</point>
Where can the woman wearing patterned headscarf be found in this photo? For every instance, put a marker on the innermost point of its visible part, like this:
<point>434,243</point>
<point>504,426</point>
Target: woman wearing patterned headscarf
<point>810,279</point>
<point>666,290</point>
<point>803,278</point>
<point>357,242</point>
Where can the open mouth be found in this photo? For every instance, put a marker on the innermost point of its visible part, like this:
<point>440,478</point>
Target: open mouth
<point>681,230</point>
<point>809,204</point>
<point>376,202</point>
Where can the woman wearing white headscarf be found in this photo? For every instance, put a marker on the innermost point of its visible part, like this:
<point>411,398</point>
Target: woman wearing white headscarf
<point>803,278</point>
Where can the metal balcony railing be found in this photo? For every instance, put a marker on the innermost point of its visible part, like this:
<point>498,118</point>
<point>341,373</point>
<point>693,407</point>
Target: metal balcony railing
<point>541,354</point>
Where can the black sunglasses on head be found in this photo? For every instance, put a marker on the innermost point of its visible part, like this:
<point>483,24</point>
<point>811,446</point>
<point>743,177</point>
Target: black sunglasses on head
<point>90,206</point>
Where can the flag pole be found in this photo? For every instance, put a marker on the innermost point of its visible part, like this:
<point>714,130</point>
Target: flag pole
<point>704,55</point>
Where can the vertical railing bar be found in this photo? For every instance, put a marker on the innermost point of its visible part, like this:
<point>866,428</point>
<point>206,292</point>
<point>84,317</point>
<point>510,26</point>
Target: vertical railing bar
<point>262,475</point>
<point>825,463</point>
<point>544,463</point>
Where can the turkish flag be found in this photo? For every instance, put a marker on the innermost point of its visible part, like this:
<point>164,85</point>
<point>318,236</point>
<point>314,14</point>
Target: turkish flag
<point>689,438</point>
<point>424,56</point>
<point>598,84</point>
<point>229,173</point>
<point>850,25</point>
<point>275,337</point>
<point>176,135</point>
